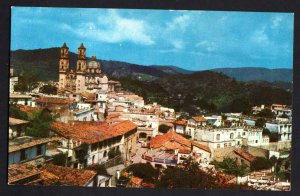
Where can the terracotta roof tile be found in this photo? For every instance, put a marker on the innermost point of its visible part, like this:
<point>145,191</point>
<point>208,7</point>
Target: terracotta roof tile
<point>31,143</point>
<point>92,132</point>
<point>28,109</point>
<point>54,100</point>
<point>246,155</point>
<point>201,146</point>
<point>66,175</point>
<point>199,118</point>
<point>15,121</point>
<point>180,122</point>
<point>136,180</point>
<point>170,140</point>
<point>18,172</point>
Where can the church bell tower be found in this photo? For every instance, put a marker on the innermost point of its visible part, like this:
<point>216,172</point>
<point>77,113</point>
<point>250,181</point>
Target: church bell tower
<point>63,65</point>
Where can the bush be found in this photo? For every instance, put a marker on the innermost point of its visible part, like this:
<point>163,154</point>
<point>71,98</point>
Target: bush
<point>144,171</point>
<point>260,122</point>
<point>100,169</point>
<point>60,159</point>
<point>48,89</point>
<point>261,163</point>
<point>164,128</point>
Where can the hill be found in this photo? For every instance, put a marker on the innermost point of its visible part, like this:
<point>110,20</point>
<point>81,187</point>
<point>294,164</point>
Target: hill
<point>170,86</point>
<point>44,63</point>
<point>253,73</point>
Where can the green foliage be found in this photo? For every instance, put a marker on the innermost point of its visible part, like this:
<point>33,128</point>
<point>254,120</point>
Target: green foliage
<point>266,132</point>
<point>39,125</point>
<point>187,176</point>
<point>260,122</point>
<point>113,153</point>
<point>266,113</point>
<point>273,160</point>
<point>274,137</point>
<point>261,163</point>
<point>100,169</point>
<point>144,171</point>
<point>163,128</point>
<point>59,159</point>
<point>16,113</point>
<point>229,166</point>
<point>48,89</point>
<point>143,135</point>
<point>26,82</point>
<point>284,175</point>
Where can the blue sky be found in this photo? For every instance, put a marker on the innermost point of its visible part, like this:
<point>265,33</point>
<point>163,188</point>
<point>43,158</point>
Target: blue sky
<point>194,40</point>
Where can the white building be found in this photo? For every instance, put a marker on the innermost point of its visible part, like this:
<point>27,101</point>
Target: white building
<point>13,80</point>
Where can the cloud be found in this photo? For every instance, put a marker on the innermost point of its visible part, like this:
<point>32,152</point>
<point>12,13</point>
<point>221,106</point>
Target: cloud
<point>178,44</point>
<point>179,22</point>
<point>208,46</point>
<point>113,28</point>
<point>260,36</point>
<point>276,21</point>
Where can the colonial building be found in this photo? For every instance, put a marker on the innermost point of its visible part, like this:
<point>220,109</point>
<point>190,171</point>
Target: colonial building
<point>86,76</point>
<point>88,143</point>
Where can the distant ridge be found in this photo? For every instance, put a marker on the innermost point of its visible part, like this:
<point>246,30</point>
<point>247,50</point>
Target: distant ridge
<point>258,73</point>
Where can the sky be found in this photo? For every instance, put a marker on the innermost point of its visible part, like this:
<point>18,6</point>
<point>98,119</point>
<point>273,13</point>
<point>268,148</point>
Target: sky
<point>193,40</point>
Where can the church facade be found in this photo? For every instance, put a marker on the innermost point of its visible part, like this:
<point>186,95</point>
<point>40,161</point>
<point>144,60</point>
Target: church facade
<point>86,77</point>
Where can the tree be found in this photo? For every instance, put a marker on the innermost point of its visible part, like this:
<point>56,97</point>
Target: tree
<point>163,128</point>
<point>17,113</point>
<point>48,89</point>
<point>229,166</point>
<point>266,132</point>
<point>266,113</point>
<point>100,169</point>
<point>39,126</point>
<point>260,122</point>
<point>144,171</point>
<point>261,163</point>
<point>188,175</point>
<point>26,82</point>
<point>274,137</point>
<point>60,159</point>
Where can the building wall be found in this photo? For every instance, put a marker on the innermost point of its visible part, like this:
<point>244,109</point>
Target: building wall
<point>30,153</point>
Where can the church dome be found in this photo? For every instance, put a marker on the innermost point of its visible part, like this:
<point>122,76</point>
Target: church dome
<point>93,63</point>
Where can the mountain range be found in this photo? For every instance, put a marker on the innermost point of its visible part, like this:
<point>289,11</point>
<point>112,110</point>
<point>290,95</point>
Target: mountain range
<point>44,62</point>
<point>218,90</point>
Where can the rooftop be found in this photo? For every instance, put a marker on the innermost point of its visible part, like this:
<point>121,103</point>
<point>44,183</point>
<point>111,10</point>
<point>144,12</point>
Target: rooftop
<point>246,155</point>
<point>201,146</point>
<point>20,143</point>
<point>199,118</point>
<point>17,172</point>
<point>15,121</point>
<point>171,141</point>
<point>54,100</point>
<point>92,132</point>
<point>66,175</point>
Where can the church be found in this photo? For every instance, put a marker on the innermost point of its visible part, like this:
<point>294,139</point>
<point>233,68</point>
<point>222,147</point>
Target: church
<point>86,77</point>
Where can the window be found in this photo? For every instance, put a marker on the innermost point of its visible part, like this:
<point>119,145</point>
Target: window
<point>105,154</point>
<point>22,158</point>
<point>218,145</point>
<point>218,137</point>
<point>225,144</point>
<point>39,150</point>
<point>231,135</point>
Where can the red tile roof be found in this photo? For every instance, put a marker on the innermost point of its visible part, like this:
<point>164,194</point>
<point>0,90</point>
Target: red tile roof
<point>199,119</point>
<point>66,175</point>
<point>15,121</point>
<point>54,100</point>
<point>18,172</point>
<point>92,132</point>
<point>246,155</point>
<point>170,140</point>
<point>33,142</point>
<point>201,146</point>
<point>27,109</point>
<point>180,122</point>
